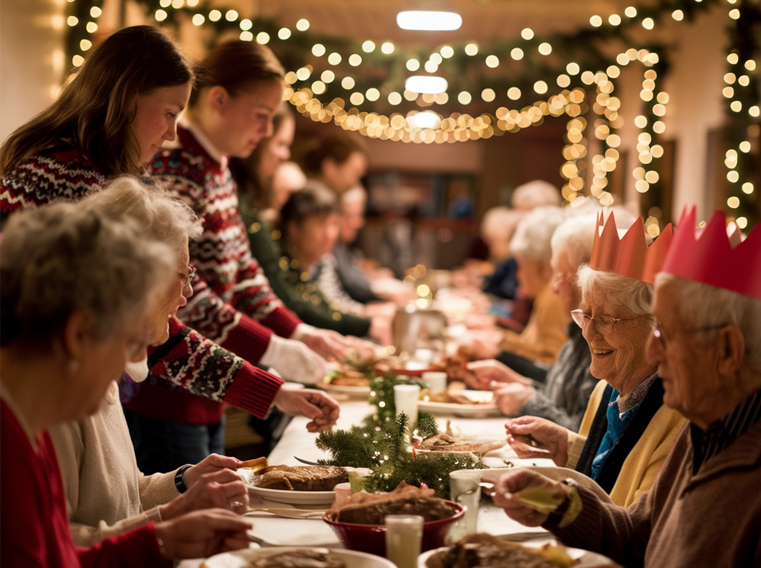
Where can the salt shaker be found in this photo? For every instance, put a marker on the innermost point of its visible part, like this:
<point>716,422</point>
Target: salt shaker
<point>404,535</point>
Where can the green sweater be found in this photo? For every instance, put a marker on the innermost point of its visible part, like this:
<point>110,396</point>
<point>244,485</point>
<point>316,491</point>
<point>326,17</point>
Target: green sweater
<point>301,297</point>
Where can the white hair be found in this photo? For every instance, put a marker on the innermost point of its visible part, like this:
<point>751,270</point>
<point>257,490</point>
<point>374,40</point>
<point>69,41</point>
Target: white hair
<point>704,305</point>
<point>356,194</point>
<point>633,295</point>
<point>535,194</point>
<point>533,235</point>
<point>500,222</point>
<point>574,238</point>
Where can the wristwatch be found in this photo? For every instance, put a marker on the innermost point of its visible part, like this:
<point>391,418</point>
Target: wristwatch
<point>179,482</point>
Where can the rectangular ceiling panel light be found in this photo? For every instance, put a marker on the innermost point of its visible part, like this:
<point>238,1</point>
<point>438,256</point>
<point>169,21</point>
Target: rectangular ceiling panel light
<point>426,84</point>
<point>428,21</point>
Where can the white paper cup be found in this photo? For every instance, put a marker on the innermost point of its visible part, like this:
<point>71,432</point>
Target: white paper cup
<point>436,381</point>
<point>406,399</point>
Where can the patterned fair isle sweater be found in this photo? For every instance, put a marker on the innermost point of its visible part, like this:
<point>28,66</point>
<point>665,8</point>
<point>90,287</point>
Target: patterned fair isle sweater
<point>233,289</point>
<point>188,361</point>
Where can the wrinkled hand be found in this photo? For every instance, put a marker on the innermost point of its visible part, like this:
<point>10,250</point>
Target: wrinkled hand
<point>317,405</point>
<point>533,437</point>
<point>511,397</point>
<point>211,464</point>
<point>484,372</point>
<point>326,343</point>
<point>218,489</point>
<point>514,481</point>
<point>202,533</point>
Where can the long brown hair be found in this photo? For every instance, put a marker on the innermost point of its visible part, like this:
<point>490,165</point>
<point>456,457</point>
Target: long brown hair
<point>96,107</point>
<point>237,66</point>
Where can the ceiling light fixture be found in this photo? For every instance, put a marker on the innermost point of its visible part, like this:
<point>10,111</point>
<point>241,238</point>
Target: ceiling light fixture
<point>426,84</point>
<point>430,21</point>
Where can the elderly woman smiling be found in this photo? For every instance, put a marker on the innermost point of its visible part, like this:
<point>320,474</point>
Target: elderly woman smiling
<point>626,432</point>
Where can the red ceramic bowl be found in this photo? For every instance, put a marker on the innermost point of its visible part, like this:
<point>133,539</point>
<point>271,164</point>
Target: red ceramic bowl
<point>372,538</point>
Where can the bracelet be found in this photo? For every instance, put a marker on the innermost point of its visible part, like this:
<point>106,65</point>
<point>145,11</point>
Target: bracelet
<point>179,482</point>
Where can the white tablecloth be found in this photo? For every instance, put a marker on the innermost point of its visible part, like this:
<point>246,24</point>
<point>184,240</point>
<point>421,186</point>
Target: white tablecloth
<point>297,442</point>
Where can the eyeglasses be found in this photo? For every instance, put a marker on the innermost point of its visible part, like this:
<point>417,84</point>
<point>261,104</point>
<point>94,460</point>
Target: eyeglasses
<point>661,337</point>
<point>604,324</point>
<point>187,279</point>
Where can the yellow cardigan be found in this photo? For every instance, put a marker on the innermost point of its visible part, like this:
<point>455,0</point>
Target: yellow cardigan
<point>644,462</point>
<point>546,330</point>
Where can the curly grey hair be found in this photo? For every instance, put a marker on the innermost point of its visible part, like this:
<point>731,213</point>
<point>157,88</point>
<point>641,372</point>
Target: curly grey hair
<point>160,216</point>
<point>64,258</point>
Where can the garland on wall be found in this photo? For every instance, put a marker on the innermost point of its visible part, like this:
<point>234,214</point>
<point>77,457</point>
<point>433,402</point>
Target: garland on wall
<point>505,85</point>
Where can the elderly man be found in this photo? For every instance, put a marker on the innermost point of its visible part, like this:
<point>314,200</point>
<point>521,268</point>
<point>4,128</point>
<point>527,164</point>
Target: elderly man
<point>705,507</point>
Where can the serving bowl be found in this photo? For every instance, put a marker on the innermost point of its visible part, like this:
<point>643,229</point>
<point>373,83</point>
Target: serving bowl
<point>372,538</point>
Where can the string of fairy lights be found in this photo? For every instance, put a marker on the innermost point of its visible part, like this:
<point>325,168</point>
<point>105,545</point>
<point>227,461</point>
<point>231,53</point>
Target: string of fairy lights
<point>360,86</point>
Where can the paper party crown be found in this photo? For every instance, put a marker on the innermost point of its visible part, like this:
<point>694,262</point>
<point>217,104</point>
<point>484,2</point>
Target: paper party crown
<point>712,257</point>
<point>629,256</point>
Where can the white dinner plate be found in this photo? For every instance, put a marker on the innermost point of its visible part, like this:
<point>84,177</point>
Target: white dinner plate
<point>294,497</point>
<point>585,558</point>
<point>486,407</point>
<point>344,389</point>
<point>241,558</point>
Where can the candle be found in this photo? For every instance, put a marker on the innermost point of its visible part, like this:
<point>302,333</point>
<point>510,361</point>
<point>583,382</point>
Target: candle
<point>404,534</point>
<point>405,400</point>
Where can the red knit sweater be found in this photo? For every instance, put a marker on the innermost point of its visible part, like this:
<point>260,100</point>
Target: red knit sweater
<point>187,362</point>
<point>231,287</point>
<point>33,519</point>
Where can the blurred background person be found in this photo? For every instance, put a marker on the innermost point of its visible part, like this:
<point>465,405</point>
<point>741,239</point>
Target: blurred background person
<point>337,161</point>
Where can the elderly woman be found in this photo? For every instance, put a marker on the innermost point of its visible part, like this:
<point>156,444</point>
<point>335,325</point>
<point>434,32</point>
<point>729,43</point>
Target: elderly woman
<point>704,508</point>
<point>106,494</point>
<point>544,334</point>
<point>564,395</point>
<point>75,289</point>
<point>626,431</point>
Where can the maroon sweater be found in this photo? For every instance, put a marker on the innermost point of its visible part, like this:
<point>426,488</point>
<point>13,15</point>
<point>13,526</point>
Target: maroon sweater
<point>33,518</point>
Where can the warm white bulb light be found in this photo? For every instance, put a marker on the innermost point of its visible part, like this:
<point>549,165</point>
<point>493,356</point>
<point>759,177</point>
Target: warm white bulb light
<point>426,84</point>
<point>424,20</point>
<point>425,119</point>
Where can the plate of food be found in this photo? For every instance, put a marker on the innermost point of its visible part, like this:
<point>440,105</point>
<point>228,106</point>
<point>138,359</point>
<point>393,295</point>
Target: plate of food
<point>459,401</point>
<point>296,557</point>
<point>346,381</point>
<point>296,485</point>
<point>487,550</point>
<point>446,443</point>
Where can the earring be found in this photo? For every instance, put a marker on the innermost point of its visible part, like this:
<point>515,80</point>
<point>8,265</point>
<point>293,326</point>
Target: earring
<point>72,366</point>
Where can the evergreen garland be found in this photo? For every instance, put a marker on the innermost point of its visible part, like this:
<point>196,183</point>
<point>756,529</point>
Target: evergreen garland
<point>388,453</point>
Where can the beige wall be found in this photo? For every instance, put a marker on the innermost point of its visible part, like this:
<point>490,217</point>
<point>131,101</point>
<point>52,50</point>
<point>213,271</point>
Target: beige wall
<point>31,58</point>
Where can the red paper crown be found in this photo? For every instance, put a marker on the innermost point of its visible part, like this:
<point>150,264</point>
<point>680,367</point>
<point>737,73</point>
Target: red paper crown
<point>629,256</point>
<point>712,257</point>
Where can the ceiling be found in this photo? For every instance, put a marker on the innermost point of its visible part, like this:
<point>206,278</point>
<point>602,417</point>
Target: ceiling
<point>483,20</point>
